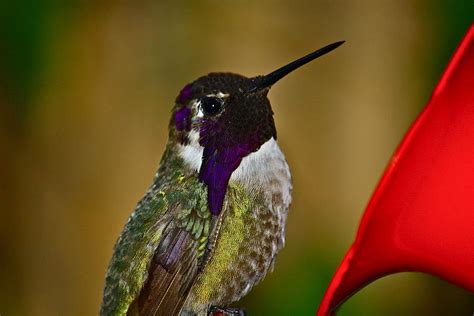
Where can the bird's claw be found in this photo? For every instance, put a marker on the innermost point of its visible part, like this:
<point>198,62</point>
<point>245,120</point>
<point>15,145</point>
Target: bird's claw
<point>225,311</point>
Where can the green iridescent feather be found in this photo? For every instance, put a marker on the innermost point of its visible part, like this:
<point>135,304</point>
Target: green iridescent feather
<point>172,195</point>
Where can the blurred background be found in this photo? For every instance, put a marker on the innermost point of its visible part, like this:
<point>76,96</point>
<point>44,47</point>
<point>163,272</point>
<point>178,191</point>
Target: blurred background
<point>86,90</point>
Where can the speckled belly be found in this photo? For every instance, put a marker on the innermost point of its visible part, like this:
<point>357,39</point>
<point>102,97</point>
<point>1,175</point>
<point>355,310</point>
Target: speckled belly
<point>249,237</point>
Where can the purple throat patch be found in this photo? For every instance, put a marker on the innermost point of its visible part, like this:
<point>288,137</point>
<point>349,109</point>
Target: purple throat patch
<point>182,119</point>
<point>217,167</point>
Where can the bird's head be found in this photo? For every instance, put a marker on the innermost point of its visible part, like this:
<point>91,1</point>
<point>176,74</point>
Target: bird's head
<point>221,118</point>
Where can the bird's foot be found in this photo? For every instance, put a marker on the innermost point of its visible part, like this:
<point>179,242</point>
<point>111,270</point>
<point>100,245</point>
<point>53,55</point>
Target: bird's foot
<point>225,311</point>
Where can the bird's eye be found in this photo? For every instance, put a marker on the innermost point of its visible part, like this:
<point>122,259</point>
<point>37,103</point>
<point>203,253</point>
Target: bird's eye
<point>211,105</point>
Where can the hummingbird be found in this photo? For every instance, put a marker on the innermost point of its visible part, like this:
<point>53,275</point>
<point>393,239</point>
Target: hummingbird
<point>212,222</point>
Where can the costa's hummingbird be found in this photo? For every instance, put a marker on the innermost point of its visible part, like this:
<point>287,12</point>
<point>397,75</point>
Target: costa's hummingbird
<point>211,224</point>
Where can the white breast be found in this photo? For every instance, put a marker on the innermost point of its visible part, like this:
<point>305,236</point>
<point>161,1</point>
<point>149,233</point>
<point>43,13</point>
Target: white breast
<point>265,169</point>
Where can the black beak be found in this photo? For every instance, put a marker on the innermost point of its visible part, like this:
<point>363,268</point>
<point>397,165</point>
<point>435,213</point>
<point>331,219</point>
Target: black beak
<point>268,80</point>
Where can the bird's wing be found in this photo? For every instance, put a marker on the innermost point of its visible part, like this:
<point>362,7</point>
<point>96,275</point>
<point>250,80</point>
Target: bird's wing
<point>175,265</point>
<point>180,252</point>
<point>158,254</point>
<point>132,252</point>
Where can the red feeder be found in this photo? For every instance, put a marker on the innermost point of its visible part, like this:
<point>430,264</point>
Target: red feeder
<point>421,216</point>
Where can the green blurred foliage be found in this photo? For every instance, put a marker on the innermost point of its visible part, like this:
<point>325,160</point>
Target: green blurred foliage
<point>23,33</point>
<point>85,93</point>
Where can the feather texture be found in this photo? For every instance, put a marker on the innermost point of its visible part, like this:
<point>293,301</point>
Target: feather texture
<point>174,257</point>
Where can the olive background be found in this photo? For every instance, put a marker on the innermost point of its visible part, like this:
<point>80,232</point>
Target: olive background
<point>86,89</point>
